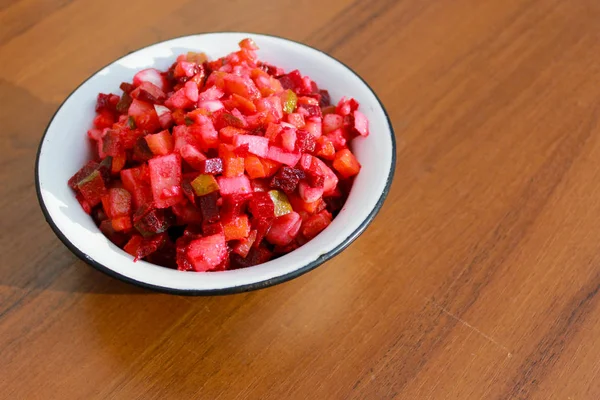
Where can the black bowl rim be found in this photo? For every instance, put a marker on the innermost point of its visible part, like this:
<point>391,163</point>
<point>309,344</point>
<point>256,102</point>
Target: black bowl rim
<point>234,289</point>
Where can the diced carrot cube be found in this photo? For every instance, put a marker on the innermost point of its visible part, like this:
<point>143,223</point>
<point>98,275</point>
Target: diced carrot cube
<point>254,167</point>
<point>237,228</point>
<point>315,224</point>
<point>160,143</point>
<point>346,164</point>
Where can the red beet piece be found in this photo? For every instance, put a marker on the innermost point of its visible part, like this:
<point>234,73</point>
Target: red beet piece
<point>211,166</point>
<point>234,205</point>
<point>150,221</point>
<point>208,207</point>
<point>256,255</point>
<point>287,179</point>
<point>305,142</point>
<point>149,92</point>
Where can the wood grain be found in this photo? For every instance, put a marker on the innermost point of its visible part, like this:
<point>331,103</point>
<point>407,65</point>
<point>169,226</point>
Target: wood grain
<point>478,280</point>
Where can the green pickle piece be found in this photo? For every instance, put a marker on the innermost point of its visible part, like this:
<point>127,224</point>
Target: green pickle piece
<point>281,202</point>
<point>204,184</point>
<point>289,101</point>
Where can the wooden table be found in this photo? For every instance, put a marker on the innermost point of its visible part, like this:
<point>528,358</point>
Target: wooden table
<point>479,279</point>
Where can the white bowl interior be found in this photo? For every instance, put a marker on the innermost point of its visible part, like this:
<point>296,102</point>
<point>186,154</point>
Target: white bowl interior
<point>65,149</point>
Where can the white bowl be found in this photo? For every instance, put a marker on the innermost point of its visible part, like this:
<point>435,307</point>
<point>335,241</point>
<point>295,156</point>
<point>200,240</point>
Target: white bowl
<point>64,149</point>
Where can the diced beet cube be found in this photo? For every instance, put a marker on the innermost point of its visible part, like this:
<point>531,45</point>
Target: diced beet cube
<point>151,75</point>
<point>280,155</point>
<point>187,213</point>
<point>111,143</point>
<point>107,102</point>
<point>257,255</point>
<point>325,99</point>
<point>148,92</point>
<point>305,142</point>
<point>165,256</point>
<point>141,151</point>
<point>257,145</point>
<point>124,103</point>
<point>315,178</point>
<point>98,215</point>
<point>238,184</point>
<point>209,208</point>
<point>165,178</point>
<point>83,173</point>
<point>142,247</point>
<point>92,188</point>
<point>261,206</point>
<point>104,119</point>
<point>263,211</point>
<point>207,252</point>
<point>287,179</point>
<point>242,150</point>
<point>314,164</point>
<point>361,123</point>
<point>150,221</point>
<point>212,228</point>
<point>133,245</point>
<point>234,205</point>
<point>118,238</point>
<point>212,166</point>
<point>284,229</point>
<point>310,110</point>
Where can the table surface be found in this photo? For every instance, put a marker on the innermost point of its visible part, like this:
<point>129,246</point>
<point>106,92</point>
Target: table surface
<point>479,279</point>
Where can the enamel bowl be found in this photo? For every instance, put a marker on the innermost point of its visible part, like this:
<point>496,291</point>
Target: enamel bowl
<point>65,148</point>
